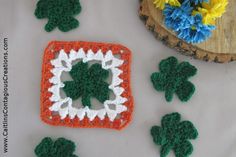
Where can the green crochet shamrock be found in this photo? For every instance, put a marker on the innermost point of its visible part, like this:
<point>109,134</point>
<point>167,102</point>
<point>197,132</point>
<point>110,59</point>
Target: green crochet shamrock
<point>60,148</point>
<point>173,78</point>
<point>59,13</point>
<point>174,134</point>
<point>87,82</point>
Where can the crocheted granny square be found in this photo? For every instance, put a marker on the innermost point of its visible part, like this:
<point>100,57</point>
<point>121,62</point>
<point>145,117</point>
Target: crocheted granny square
<point>96,91</point>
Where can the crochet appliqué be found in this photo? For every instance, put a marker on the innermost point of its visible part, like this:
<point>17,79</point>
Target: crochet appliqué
<point>59,13</point>
<point>59,148</point>
<point>173,134</point>
<point>173,78</point>
<point>88,81</point>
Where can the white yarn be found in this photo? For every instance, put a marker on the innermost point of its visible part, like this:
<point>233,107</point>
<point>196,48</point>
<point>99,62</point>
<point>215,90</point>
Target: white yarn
<point>59,67</point>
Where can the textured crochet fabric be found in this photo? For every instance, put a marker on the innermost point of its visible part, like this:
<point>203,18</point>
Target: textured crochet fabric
<point>87,82</point>
<point>60,148</point>
<point>173,78</point>
<point>98,92</point>
<point>174,135</point>
<point>59,13</point>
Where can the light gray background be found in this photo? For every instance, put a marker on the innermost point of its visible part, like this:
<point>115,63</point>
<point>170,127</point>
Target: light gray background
<point>212,108</point>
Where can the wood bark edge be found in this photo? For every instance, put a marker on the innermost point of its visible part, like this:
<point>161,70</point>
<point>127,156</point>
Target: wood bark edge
<point>172,41</point>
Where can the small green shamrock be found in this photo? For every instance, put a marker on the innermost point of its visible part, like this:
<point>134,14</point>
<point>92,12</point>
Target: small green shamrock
<point>60,148</point>
<point>59,13</point>
<point>174,134</point>
<point>87,82</point>
<point>173,78</point>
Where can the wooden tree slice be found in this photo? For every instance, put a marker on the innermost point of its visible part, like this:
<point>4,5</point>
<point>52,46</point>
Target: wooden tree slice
<point>221,47</point>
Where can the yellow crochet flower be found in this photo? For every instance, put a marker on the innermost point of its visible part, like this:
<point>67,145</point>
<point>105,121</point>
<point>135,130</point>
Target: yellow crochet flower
<point>161,3</point>
<point>211,10</point>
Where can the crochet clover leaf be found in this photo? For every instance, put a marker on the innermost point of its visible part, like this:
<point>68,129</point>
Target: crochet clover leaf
<point>173,78</point>
<point>174,135</point>
<point>60,148</point>
<point>87,82</point>
<point>59,13</point>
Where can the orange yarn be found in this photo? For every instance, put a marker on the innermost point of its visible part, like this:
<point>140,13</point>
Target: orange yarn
<point>54,119</point>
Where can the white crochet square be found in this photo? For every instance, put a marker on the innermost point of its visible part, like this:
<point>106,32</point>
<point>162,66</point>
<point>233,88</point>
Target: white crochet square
<point>81,113</point>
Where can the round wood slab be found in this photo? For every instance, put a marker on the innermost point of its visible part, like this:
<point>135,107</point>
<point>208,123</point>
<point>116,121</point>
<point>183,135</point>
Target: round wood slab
<point>221,47</point>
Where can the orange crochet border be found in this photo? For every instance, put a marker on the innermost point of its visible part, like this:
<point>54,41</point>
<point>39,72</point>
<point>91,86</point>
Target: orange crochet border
<point>52,119</point>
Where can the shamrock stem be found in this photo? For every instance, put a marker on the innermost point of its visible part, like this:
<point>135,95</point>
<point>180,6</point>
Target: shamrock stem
<point>50,25</point>
<point>165,149</point>
<point>169,95</point>
<point>86,100</point>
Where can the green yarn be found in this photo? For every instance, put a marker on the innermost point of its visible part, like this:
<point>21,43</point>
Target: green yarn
<point>59,13</point>
<point>60,148</point>
<point>173,78</point>
<point>174,135</point>
<point>87,82</point>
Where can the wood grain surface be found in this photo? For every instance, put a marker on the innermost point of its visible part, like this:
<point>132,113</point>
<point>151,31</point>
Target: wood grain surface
<point>221,47</point>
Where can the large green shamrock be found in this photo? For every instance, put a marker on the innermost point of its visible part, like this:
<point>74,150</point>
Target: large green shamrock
<point>60,148</point>
<point>59,13</point>
<point>87,82</point>
<point>173,78</point>
<point>174,134</point>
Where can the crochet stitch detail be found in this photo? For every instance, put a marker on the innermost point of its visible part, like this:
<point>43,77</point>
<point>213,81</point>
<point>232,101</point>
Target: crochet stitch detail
<point>59,13</point>
<point>59,101</point>
<point>87,82</point>
<point>173,134</point>
<point>59,148</point>
<point>88,63</point>
<point>173,78</point>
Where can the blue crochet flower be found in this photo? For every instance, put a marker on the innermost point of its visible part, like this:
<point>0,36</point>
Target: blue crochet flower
<point>178,18</point>
<point>188,27</point>
<point>197,1</point>
<point>197,33</point>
